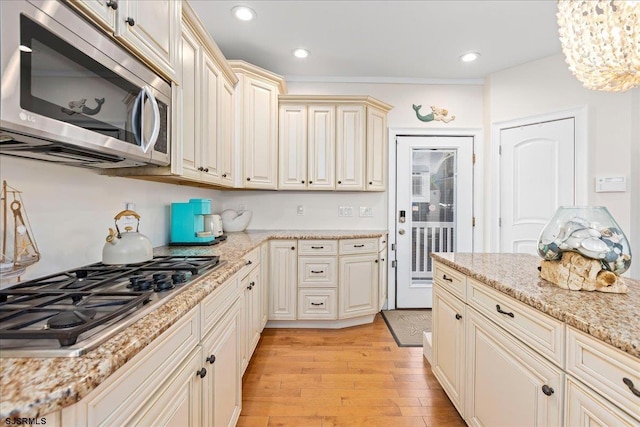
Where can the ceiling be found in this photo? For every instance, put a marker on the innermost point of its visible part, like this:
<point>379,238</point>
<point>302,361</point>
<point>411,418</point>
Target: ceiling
<point>389,41</point>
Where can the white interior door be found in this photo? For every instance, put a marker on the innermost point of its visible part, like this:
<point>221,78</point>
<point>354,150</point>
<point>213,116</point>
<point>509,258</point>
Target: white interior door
<point>536,177</point>
<point>434,210</point>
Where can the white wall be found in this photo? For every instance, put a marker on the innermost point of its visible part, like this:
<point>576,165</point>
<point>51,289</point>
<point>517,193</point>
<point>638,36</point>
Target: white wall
<point>71,209</point>
<point>547,85</point>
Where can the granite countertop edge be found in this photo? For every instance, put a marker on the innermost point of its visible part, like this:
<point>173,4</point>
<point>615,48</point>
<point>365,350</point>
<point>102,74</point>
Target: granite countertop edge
<point>625,337</point>
<point>33,387</point>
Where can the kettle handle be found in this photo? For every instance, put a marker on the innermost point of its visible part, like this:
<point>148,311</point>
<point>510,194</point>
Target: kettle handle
<point>126,212</point>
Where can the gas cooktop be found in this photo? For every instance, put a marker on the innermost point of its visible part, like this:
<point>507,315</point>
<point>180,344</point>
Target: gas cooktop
<point>70,313</point>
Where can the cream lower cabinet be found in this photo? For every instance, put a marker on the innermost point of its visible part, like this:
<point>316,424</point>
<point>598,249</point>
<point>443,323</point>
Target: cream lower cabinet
<point>509,385</point>
<point>358,278</point>
<point>220,364</point>
<point>252,285</point>
<point>448,357</point>
<point>283,271</point>
<point>584,407</point>
<point>382,272</point>
<point>188,376</point>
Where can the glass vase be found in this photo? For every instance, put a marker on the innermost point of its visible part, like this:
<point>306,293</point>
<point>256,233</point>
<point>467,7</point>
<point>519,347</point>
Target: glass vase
<point>588,230</point>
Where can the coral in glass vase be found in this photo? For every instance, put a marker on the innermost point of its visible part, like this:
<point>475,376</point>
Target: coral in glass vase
<point>590,231</point>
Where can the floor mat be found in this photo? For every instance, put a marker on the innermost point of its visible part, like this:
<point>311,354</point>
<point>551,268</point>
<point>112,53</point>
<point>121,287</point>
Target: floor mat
<point>407,326</point>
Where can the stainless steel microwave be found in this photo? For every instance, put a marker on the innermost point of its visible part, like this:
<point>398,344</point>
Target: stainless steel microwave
<point>72,95</point>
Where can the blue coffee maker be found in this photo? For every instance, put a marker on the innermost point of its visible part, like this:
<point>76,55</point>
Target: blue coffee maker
<point>187,223</point>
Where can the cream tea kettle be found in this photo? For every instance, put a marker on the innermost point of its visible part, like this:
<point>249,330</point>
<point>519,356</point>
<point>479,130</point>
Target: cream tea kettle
<point>126,248</point>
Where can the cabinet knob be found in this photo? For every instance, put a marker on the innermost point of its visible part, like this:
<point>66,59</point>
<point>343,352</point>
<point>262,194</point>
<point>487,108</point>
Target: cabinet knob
<point>310,182</point>
<point>224,175</point>
<point>293,248</point>
<point>629,384</point>
<point>248,179</point>
<point>211,359</point>
<point>547,390</point>
<point>376,261</point>
<point>112,4</point>
<point>130,21</point>
<point>302,181</point>
<point>201,373</point>
<point>382,259</point>
<point>339,182</point>
<point>370,182</point>
<point>200,168</point>
<point>206,169</point>
<point>458,316</point>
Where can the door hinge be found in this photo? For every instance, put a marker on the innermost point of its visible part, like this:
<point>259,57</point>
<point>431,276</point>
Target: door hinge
<point>499,222</point>
<point>393,264</point>
<point>473,221</point>
<point>500,150</point>
<point>474,158</point>
<point>393,246</point>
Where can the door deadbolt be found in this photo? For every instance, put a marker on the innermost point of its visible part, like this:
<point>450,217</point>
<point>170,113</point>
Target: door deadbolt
<point>403,217</point>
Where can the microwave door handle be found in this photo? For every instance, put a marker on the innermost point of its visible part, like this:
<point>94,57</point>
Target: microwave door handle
<point>156,121</point>
<point>136,119</point>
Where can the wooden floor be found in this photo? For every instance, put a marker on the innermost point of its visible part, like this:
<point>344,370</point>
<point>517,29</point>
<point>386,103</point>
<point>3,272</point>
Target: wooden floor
<point>356,376</point>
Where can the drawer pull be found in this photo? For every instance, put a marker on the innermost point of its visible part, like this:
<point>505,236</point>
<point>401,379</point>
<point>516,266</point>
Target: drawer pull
<point>201,373</point>
<point>317,271</point>
<point>211,359</point>
<point>249,262</point>
<point>448,279</point>
<point>629,384</point>
<point>358,246</point>
<point>547,390</point>
<point>458,316</point>
<point>504,312</point>
<point>317,247</point>
<point>317,303</point>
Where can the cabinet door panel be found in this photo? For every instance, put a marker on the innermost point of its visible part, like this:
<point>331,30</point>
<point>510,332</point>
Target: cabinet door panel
<point>583,407</point>
<point>190,89</point>
<point>98,11</point>
<point>260,134</point>
<point>376,150</point>
<point>227,133</point>
<point>358,284</point>
<point>321,143</point>
<point>283,269</point>
<point>209,123</point>
<point>292,147</point>
<point>506,380</point>
<point>448,345</point>
<point>350,133</point>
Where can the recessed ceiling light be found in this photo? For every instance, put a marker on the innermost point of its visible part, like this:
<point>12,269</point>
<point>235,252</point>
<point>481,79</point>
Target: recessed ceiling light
<point>243,13</point>
<point>469,57</point>
<point>300,53</point>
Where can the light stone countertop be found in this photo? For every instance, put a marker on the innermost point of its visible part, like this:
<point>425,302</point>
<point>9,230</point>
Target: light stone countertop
<point>33,387</point>
<point>612,318</point>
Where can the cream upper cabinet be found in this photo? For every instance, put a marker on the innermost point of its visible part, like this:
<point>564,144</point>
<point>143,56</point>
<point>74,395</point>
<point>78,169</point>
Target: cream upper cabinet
<point>350,147</point>
<point>190,103</point>
<point>377,150</point>
<point>149,28</point>
<point>226,132</point>
<point>257,124</point>
<point>332,143</point>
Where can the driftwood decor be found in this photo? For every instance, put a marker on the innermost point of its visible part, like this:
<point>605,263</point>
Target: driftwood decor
<point>576,272</point>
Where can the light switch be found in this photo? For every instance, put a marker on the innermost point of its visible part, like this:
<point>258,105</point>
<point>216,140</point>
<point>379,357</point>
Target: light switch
<point>611,184</point>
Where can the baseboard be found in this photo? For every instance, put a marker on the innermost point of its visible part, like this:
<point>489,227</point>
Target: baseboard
<point>322,324</point>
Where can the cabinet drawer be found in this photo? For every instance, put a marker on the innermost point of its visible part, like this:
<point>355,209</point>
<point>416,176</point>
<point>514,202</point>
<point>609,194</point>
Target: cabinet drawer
<point>536,329</point>
<point>216,304</point>
<point>318,271</point>
<point>451,280</point>
<point>358,246</point>
<point>584,407</point>
<point>318,304</point>
<point>251,260</point>
<point>604,368</point>
<point>317,247</point>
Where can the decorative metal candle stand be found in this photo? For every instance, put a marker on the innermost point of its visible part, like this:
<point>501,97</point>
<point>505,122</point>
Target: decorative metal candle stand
<point>584,249</point>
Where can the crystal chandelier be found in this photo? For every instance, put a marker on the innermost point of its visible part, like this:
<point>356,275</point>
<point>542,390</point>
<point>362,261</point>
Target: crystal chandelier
<point>601,42</point>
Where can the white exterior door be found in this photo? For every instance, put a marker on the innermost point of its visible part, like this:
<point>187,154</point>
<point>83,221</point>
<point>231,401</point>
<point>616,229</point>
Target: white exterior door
<point>536,177</point>
<point>434,209</point>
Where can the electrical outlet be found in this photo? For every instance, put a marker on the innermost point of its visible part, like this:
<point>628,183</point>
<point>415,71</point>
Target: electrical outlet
<point>300,210</point>
<point>345,211</point>
<point>366,211</point>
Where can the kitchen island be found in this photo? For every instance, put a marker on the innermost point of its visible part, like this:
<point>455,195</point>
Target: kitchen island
<point>511,348</point>
<point>33,387</point>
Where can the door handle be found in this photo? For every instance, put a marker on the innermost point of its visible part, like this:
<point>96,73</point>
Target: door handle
<point>401,232</point>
